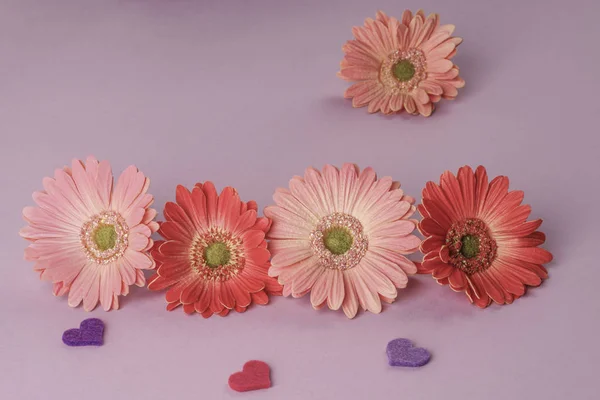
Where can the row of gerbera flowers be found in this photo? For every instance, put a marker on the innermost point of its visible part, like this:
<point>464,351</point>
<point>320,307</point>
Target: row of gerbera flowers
<point>341,235</point>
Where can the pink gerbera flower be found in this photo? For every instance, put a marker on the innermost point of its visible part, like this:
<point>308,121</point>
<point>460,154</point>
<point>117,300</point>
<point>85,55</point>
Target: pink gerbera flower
<point>478,239</point>
<point>89,239</point>
<point>342,236</point>
<point>402,64</point>
<point>214,258</point>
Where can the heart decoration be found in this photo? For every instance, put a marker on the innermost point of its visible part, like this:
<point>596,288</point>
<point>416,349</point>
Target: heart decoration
<point>402,353</point>
<point>89,334</point>
<point>254,375</point>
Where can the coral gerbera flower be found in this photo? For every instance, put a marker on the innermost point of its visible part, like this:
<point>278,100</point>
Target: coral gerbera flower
<point>342,236</point>
<point>401,64</point>
<point>90,239</point>
<point>214,258</point>
<point>478,239</point>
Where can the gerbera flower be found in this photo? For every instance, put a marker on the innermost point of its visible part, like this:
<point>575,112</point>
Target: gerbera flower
<point>478,239</point>
<point>342,236</point>
<point>90,239</point>
<point>214,258</point>
<point>401,64</point>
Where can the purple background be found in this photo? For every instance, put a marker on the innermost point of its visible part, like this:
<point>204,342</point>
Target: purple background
<point>245,94</point>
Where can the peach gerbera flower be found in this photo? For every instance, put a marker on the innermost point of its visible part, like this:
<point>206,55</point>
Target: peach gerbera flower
<point>342,236</point>
<point>478,239</point>
<point>89,239</point>
<point>214,258</point>
<point>401,64</point>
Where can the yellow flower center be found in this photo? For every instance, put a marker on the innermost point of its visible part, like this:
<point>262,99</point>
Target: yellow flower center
<point>217,254</point>
<point>105,237</point>
<point>338,240</point>
<point>470,246</point>
<point>403,70</point>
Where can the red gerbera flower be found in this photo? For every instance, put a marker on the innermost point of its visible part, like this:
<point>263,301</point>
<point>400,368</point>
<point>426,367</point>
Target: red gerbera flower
<point>214,258</point>
<point>478,239</point>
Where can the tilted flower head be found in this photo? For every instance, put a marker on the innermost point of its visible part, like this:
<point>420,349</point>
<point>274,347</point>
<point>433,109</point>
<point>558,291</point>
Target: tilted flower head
<point>478,239</point>
<point>401,64</point>
<point>214,258</point>
<point>342,236</point>
<point>90,239</point>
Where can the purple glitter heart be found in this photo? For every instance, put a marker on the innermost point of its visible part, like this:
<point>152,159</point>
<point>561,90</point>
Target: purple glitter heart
<point>89,333</point>
<point>402,353</point>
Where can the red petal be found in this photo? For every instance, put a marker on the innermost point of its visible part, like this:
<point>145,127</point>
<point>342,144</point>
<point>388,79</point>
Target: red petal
<point>497,191</point>
<point>428,227</point>
<point>260,298</point>
<point>481,188</point>
<point>443,271</point>
<point>452,192</point>
<point>458,280</point>
<point>189,309</point>
<point>466,180</point>
<point>173,212</point>
<point>433,243</point>
<point>534,255</point>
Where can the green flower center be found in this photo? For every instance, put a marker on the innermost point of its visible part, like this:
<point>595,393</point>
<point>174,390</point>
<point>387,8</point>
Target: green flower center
<point>470,246</point>
<point>403,70</point>
<point>105,237</point>
<point>338,240</point>
<point>217,254</point>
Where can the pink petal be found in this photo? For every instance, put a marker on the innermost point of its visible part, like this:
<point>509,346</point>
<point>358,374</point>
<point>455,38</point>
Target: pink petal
<point>90,300</point>
<point>396,228</point>
<point>424,109</point>
<point>307,197</point>
<point>397,103</point>
<point>110,285</point>
<point>350,303</point>
<point>130,185</point>
<point>370,195</point>
<point>335,296</point>
<point>367,297</point>
<point>377,281</point>
<point>291,256</point>
<point>287,225</point>
<point>138,260</point>
<point>320,289</point>
<point>347,192</point>
<point>410,105</point>
<point>360,73</point>
<point>369,95</point>
<point>439,66</point>
<point>86,185</point>
<point>305,279</point>
<point>441,51</point>
<point>371,38</point>
<point>81,285</point>
<point>387,263</point>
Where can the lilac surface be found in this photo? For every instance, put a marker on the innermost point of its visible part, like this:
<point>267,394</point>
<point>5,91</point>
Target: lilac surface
<point>89,333</point>
<point>245,94</point>
<point>402,353</point>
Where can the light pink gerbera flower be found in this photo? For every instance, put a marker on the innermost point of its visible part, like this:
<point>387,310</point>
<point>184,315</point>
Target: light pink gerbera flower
<point>343,236</point>
<point>89,239</point>
<point>401,64</point>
